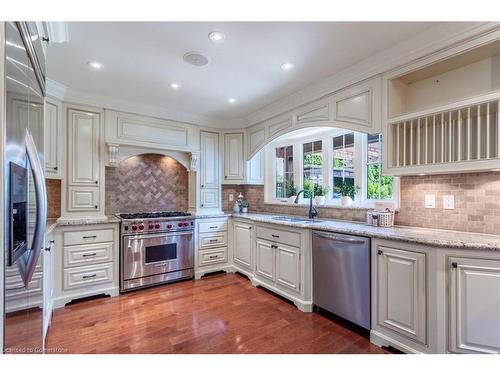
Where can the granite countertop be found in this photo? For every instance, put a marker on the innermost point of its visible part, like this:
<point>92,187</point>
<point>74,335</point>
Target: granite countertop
<point>88,221</point>
<point>418,235</point>
<point>50,226</point>
<point>425,236</point>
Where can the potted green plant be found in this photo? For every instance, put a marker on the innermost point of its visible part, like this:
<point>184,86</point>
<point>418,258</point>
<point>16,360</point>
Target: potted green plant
<point>291,191</point>
<point>308,188</point>
<point>320,193</point>
<point>347,192</point>
<point>244,207</point>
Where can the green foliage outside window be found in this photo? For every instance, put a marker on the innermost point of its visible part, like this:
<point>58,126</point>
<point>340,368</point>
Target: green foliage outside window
<point>313,159</point>
<point>376,189</point>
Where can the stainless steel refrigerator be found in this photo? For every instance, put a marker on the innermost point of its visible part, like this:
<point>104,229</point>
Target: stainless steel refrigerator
<point>25,201</point>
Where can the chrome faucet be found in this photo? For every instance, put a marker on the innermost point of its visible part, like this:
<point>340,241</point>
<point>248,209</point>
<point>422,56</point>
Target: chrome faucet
<point>312,210</point>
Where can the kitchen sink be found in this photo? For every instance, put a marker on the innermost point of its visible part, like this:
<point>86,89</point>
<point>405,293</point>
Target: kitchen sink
<point>292,219</point>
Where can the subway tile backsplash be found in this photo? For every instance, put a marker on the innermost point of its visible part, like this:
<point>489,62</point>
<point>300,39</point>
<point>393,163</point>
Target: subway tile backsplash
<point>477,202</point>
<point>476,195</point>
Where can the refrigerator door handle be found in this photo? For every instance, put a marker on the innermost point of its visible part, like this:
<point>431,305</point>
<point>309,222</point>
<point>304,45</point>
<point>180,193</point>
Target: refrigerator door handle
<point>30,258</point>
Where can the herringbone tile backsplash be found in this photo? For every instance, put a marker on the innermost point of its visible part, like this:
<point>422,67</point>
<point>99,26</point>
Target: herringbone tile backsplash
<point>147,182</point>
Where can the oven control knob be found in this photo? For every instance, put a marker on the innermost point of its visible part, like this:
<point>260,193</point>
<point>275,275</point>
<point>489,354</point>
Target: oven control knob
<point>179,225</point>
<point>151,226</point>
<point>141,227</point>
<point>134,227</point>
<point>186,224</point>
<point>169,226</point>
<point>157,226</point>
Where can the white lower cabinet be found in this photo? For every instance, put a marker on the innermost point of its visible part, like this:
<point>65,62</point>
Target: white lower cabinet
<point>474,305</point>
<point>242,245</point>
<point>265,264</point>
<point>288,267</point>
<point>401,295</point>
<point>434,299</point>
<point>87,261</point>
<point>282,257</point>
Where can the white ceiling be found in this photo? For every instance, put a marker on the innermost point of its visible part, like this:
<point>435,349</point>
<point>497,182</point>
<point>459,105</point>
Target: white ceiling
<point>141,58</point>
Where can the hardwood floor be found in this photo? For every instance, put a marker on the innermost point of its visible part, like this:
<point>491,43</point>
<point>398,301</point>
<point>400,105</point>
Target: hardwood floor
<point>217,314</point>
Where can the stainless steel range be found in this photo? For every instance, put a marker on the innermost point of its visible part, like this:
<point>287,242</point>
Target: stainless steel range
<point>156,248</point>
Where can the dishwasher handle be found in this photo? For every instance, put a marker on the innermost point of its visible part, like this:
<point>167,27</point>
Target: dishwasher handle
<point>339,239</point>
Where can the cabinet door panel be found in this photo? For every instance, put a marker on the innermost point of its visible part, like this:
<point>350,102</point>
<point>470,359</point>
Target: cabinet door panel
<point>83,144</point>
<point>209,160</point>
<point>233,157</point>
<point>81,198</point>
<point>265,260</point>
<point>243,244</point>
<point>402,304</point>
<point>474,305</point>
<point>51,139</point>
<point>288,267</point>
<point>209,198</point>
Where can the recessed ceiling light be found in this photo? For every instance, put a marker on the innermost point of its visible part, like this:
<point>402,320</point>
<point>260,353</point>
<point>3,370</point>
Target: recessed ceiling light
<point>217,36</point>
<point>287,66</point>
<point>231,100</point>
<point>94,64</point>
<point>174,85</point>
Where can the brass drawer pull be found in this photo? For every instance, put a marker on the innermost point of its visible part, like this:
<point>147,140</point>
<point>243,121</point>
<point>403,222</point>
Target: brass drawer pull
<point>215,227</point>
<point>214,256</point>
<point>89,276</point>
<point>212,241</point>
<point>88,237</point>
<point>275,236</point>
<point>89,255</point>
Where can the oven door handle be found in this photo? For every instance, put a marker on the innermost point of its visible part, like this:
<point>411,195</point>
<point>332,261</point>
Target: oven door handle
<point>155,235</point>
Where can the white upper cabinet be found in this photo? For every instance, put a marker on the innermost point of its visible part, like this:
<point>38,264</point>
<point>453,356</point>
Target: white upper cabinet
<point>83,147</point>
<point>236,169</point>
<point>474,305</point>
<point>84,185</point>
<point>209,171</point>
<point>359,107</point>
<point>442,113</point>
<point>209,160</point>
<point>234,163</point>
<point>53,148</point>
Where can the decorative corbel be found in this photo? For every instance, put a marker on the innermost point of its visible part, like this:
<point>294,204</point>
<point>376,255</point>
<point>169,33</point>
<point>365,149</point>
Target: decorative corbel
<point>193,164</point>
<point>113,154</point>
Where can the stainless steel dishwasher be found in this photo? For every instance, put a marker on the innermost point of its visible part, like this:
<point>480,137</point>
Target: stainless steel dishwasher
<point>341,275</point>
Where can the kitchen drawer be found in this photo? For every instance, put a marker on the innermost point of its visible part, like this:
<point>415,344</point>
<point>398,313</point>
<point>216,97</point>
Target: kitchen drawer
<point>78,277</point>
<point>212,226</point>
<point>80,255</point>
<point>212,256</point>
<point>209,240</point>
<point>88,236</point>
<point>278,235</point>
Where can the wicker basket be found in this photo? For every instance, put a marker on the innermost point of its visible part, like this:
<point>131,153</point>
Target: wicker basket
<point>384,218</point>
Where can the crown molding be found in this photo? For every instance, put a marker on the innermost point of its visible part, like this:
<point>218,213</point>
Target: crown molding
<point>421,45</point>
<point>436,38</point>
<point>64,93</point>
